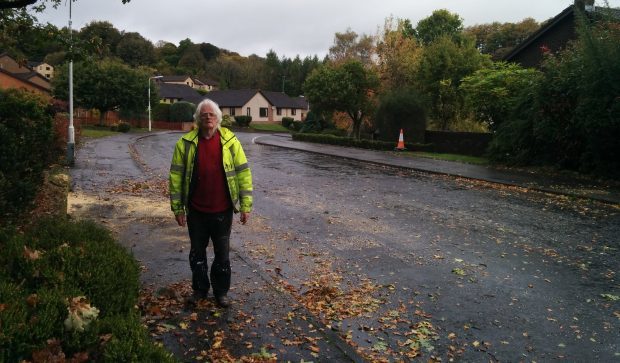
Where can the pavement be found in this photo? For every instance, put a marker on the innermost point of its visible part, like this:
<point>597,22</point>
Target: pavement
<point>602,191</point>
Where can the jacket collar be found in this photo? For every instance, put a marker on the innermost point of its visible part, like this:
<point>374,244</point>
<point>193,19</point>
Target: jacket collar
<point>225,136</point>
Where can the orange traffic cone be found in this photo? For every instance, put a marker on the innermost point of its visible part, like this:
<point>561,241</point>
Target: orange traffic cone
<point>401,142</point>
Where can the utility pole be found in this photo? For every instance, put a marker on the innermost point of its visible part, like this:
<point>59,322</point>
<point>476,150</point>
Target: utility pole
<point>71,129</point>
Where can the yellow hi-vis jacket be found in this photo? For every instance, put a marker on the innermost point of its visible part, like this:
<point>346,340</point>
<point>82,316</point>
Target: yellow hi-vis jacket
<point>238,174</point>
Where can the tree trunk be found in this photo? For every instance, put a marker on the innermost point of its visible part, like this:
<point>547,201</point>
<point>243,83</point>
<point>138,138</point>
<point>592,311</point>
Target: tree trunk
<point>101,117</point>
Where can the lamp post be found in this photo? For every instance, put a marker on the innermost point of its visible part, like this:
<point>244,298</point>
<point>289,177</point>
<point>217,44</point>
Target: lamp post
<point>149,95</point>
<point>70,130</point>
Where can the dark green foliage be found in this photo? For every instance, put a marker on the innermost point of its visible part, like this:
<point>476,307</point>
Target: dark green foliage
<point>243,121</point>
<point>361,143</point>
<point>26,133</point>
<point>287,121</point>
<point>124,127</point>
<point>312,123</point>
<point>401,110</point>
<point>182,111</point>
<point>161,112</point>
<point>297,125</point>
<point>571,117</point>
<point>67,260</point>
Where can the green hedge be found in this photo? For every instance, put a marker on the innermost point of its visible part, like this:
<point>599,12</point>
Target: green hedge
<point>26,133</point>
<point>363,143</point>
<point>182,111</point>
<point>42,270</point>
<point>287,122</point>
<point>243,121</point>
<point>161,112</point>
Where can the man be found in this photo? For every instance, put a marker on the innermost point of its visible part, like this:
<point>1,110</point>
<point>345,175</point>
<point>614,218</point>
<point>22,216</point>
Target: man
<point>209,179</point>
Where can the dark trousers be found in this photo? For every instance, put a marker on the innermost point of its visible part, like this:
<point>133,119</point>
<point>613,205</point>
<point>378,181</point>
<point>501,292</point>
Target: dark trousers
<point>202,227</point>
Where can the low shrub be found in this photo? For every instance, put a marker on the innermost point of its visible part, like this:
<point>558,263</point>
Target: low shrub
<point>161,112</point>
<point>26,133</point>
<point>227,121</point>
<point>287,122</point>
<point>182,111</point>
<point>123,127</point>
<point>44,271</point>
<point>243,121</point>
<point>297,125</point>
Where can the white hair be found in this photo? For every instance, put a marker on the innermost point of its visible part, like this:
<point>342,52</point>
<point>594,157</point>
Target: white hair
<point>216,108</point>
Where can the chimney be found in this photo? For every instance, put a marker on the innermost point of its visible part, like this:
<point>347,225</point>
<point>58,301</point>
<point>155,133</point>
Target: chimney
<point>587,5</point>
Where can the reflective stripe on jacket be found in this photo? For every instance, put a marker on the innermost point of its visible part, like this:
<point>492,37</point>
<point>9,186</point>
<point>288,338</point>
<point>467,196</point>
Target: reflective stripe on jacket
<point>238,174</point>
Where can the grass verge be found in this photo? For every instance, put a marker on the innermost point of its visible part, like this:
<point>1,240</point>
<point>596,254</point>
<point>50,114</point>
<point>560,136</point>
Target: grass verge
<point>269,127</point>
<point>449,157</point>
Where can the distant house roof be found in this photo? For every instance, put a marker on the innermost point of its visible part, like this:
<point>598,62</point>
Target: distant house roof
<point>232,98</point>
<point>238,98</point>
<point>174,78</point>
<point>552,36</point>
<point>181,92</point>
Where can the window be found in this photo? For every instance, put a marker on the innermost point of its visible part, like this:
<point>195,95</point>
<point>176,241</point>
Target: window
<point>262,112</point>
<point>293,111</point>
<point>232,111</point>
<point>279,111</point>
<point>47,68</point>
<point>248,112</point>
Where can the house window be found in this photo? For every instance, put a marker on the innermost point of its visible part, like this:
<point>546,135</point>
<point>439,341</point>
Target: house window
<point>262,112</point>
<point>247,112</point>
<point>47,68</point>
<point>293,111</point>
<point>279,111</point>
<point>232,111</point>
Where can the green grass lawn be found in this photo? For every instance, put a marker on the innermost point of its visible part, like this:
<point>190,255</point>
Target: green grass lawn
<point>96,131</point>
<point>449,157</point>
<point>269,127</point>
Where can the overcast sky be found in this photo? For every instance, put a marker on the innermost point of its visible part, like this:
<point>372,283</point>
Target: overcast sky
<point>289,27</point>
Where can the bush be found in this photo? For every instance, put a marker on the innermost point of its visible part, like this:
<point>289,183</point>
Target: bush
<point>161,112</point>
<point>297,125</point>
<point>569,117</point>
<point>227,121</point>
<point>26,133</point>
<point>57,260</point>
<point>243,121</point>
<point>287,122</point>
<point>124,127</point>
<point>401,110</point>
<point>182,111</point>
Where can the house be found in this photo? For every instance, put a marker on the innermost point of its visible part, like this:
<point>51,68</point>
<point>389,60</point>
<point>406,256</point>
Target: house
<point>190,81</point>
<point>15,75</point>
<point>263,106</point>
<point>175,92</point>
<point>553,36</point>
<point>44,69</point>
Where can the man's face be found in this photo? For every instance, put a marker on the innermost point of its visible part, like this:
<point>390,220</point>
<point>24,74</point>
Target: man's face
<point>208,119</point>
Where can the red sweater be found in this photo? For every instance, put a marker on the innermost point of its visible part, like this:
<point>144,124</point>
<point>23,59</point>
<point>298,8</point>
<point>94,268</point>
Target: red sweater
<point>210,193</point>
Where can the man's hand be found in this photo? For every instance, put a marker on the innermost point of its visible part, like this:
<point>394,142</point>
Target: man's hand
<point>244,217</point>
<point>180,219</point>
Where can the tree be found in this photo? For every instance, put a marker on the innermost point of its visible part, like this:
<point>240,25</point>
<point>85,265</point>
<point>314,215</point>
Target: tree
<point>105,85</point>
<point>135,50</point>
<point>401,110</point>
<point>14,4</point>
<point>440,23</point>
<point>192,61</point>
<point>102,37</point>
<point>349,45</point>
<point>398,54</point>
<point>497,39</point>
<point>347,87</point>
<point>442,66</point>
<point>493,92</point>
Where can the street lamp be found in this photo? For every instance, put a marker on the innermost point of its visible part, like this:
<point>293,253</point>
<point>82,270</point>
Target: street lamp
<point>149,94</point>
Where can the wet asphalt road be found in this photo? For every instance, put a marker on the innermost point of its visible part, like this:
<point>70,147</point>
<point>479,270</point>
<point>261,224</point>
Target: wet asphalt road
<point>501,273</point>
